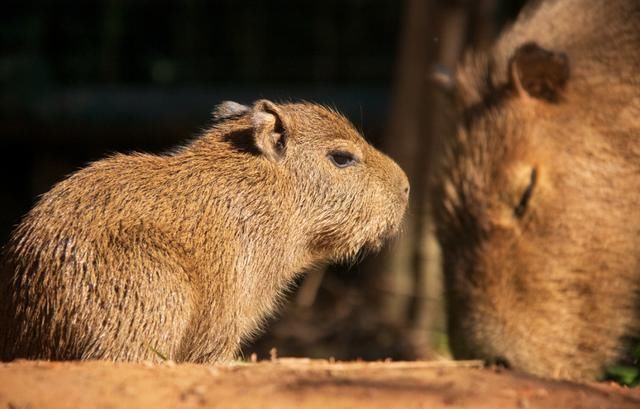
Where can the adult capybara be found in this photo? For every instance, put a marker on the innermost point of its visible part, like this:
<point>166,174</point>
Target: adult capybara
<point>182,255</point>
<point>537,200</point>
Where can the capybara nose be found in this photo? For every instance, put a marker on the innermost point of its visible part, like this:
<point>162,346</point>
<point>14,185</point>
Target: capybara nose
<point>404,189</point>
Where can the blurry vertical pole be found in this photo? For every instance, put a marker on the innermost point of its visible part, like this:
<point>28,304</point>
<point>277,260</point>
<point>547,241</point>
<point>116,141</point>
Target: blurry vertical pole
<point>403,141</point>
<point>456,23</point>
<point>427,311</point>
<point>433,32</point>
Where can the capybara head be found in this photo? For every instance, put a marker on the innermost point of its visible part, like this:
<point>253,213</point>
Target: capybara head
<point>182,255</point>
<point>536,202</point>
<point>346,196</point>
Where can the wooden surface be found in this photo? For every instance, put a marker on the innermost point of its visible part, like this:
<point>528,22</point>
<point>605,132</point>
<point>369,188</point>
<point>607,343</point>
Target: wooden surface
<point>290,383</point>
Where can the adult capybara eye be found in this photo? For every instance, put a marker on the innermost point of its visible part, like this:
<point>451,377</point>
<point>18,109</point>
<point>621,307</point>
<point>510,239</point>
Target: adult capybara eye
<point>342,159</point>
<point>521,208</point>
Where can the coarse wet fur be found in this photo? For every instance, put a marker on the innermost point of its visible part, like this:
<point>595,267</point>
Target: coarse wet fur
<point>181,256</point>
<point>537,200</point>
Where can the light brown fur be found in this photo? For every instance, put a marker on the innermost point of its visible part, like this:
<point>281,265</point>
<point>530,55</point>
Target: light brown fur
<point>183,255</point>
<point>553,287</point>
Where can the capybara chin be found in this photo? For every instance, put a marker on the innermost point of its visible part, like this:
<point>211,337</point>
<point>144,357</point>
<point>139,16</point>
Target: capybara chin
<point>537,199</point>
<point>182,255</point>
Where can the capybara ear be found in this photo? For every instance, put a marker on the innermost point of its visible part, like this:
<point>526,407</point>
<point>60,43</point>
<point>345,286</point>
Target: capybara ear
<point>270,129</point>
<point>539,73</point>
<point>228,110</point>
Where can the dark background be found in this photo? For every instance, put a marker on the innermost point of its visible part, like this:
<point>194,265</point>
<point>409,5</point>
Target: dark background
<point>80,80</point>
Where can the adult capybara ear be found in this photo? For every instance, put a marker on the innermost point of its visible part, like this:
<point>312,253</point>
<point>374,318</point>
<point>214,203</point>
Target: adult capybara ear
<point>270,125</point>
<point>539,73</point>
<point>228,110</point>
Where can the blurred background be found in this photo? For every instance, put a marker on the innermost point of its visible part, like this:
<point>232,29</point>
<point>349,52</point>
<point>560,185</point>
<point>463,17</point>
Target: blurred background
<point>80,80</point>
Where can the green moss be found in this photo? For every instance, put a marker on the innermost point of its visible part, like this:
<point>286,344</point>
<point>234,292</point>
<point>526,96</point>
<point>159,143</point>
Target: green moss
<point>629,373</point>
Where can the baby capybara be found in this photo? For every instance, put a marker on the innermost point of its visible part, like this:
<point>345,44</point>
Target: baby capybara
<point>182,255</point>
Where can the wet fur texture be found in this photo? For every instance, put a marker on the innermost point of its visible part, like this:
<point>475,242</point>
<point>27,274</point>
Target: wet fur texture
<point>183,255</point>
<point>555,289</point>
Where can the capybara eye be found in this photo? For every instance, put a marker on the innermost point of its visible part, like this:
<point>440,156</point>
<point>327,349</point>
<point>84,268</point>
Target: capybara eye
<point>521,208</point>
<point>342,159</point>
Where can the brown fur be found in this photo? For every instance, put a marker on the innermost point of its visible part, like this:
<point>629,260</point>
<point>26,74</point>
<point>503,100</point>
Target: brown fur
<point>542,268</point>
<point>183,255</point>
